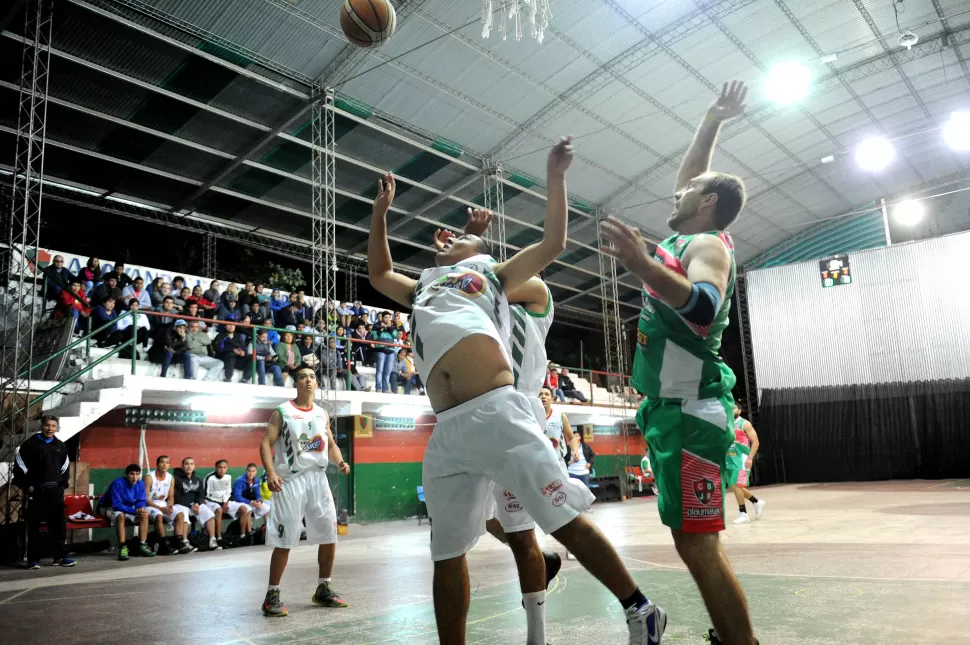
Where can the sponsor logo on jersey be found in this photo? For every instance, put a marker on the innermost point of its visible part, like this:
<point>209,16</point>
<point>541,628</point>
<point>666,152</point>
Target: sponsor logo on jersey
<point>559,499</point>
<point>311,445</point>
<point>513,507</point>
<point>703,490</point>
<point>642,339</point>
<point>551,488</point>
<point>508,495</point>
<point>469,283</point>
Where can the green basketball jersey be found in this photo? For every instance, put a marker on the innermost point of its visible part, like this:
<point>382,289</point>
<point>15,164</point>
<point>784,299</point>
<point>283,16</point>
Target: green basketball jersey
<point>675,358</point>
<point>738,453</point>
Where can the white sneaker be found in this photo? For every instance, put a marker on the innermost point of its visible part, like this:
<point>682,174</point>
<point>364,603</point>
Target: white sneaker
<point>646,624</point>
<point>759,509</point>
<point>214,544</point>
<point>570,556</point>
<point>742,518</point>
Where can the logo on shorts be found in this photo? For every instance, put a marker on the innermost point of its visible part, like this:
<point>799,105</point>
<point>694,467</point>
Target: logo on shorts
<point>311,445</point>
<point>551,488</point>
<point>703,490</point>
<point>513,507</point>
<point>559,499</point>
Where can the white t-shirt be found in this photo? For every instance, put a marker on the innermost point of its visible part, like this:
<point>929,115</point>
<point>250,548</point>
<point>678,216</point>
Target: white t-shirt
<point>160,487</point>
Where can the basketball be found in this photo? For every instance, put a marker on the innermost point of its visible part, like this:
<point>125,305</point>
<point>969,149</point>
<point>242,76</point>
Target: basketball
<point>367,22</point>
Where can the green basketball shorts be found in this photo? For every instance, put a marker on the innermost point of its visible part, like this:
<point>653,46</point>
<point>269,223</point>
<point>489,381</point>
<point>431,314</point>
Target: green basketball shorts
<point>688,441</point>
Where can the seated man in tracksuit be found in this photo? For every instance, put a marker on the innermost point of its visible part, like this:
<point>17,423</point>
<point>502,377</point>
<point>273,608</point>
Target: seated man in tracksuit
<point>218,497</point>
<point>125,500</point>
<point>247,491</point>
<point>190,494</point>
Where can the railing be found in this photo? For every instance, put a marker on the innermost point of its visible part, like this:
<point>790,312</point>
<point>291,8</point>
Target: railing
<point>609,379</point>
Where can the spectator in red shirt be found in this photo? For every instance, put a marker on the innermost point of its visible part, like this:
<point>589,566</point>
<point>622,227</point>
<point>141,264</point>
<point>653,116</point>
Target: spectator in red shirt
<point>72,302</point>
<point>207,306</point>
<point>552,382</point>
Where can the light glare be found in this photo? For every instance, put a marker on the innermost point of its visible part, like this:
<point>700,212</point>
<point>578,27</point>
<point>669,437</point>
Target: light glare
<point>788,82</point>
<point>874,154</point>
<point>956,132</point>
<point>909,212</point>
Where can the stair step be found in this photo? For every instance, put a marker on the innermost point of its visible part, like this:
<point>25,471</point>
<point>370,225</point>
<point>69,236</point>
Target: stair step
<point>116,380</point>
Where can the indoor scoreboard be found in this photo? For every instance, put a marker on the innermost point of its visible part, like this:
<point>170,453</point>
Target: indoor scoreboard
<point>835,270</point>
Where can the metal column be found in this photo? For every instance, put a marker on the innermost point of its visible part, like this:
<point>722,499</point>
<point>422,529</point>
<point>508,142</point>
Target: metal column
<point>323,243</point>
<point>613,331</point>
<point>495,202</point>
<point>747,351</point>
<point>209,256</point>
<point>23,303</point>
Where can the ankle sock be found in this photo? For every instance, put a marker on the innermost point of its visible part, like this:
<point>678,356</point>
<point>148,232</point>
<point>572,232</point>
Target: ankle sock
<point>272,587</point>
<point>753,499</point>
<point>323,581</point>
<point>637,600</point>
<point>743,509</point>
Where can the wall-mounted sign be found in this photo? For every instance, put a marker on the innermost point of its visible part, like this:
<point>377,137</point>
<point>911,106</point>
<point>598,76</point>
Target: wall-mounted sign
<point>835,271</point>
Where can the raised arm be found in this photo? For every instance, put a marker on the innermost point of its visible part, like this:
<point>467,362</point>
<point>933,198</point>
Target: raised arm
<point>380,267</point>
<point>697,160</point>
<point>534,258</point>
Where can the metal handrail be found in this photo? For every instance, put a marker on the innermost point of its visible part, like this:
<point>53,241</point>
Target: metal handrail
<point>83,339</point>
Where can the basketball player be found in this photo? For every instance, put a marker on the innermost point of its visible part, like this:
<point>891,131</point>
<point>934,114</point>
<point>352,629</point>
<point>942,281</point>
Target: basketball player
<point>160,498</point>
<point>295,449</point>
<point>486,431</point>
<point>740,457</point>
<point>686,416</point>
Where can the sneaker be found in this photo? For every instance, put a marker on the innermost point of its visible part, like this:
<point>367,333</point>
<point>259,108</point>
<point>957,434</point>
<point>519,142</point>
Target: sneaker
<point>145,551</point>
<point>570,556</point>
<point>742,518</point>
<point>759,509</point>
<point>33,566</point>
<point>165,549</point>
<point>186,547</point>
<point>214,544</point>
<point>325,596</point>
<point>65,562</point>
<point>646,624</point>
<point>272,606</point>
<point>553,564</point>
<point>714,640</point>
<point>247,541</point>
<point>123,553</point>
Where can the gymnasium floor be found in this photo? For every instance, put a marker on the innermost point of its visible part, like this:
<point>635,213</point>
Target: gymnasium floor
<point>846,564</point>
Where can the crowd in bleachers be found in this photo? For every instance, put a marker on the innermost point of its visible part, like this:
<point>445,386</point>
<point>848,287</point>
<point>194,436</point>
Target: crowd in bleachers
<point>321,337</point>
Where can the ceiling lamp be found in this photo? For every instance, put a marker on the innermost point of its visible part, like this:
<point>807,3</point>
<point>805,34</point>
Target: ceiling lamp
<point>788,82</point>
<point>874,153</point>
<point>909,212</point>
<point>907,39</point>
<point>956,132</point>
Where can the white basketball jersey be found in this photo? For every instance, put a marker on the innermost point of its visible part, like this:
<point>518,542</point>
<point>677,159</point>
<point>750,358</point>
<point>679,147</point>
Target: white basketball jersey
<point>527,342</point>
<point>553,430</point>
<point>302,444</point>
<point>160,486</point>
<point>454,302</point>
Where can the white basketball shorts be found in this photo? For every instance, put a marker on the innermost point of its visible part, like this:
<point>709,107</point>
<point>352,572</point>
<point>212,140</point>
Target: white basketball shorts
<point>170,518</point>
<point>262,510</point>
<point>204,515</point>
<point>495,437</point>
<point>304,496</point>
<point>233,508</point>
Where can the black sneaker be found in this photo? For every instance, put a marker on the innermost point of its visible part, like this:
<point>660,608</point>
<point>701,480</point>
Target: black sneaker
<point>714,640</point>
<point>247,541</point>
<point>553,565</point>
<point>325,596</point>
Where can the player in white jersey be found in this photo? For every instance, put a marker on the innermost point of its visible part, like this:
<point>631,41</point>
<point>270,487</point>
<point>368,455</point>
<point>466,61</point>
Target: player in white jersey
<point>296,449</point>
<point>160,498</point>
<point>487,432</point>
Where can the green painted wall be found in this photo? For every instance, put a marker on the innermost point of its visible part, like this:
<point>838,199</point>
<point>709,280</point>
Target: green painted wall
<point>607,465</point>
<point>386,491</point>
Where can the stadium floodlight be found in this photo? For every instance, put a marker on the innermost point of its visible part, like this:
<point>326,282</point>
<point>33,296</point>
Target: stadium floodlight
<point>909,212</point>
<point>788,82</point>
<point>874,154</point>
<point>956,132</point>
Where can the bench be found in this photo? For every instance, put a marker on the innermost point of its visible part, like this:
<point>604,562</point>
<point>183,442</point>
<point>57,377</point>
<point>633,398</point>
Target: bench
<point>637,475</point>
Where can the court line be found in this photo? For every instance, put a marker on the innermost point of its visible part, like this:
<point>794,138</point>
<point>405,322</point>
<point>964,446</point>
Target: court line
<point>235,632</point>
<point>16,595</point>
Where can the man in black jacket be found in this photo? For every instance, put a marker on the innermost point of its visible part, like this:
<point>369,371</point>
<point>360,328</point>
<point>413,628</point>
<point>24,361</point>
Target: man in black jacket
<point>230,348</point>
<point>190,494</point>
<point>42,472</point>
<point>568,388</point>
<point>108,288</point>
<point>57,277</point>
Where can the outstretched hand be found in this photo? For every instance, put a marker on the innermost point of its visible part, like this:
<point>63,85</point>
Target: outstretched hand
<point>440,237</point>
<point>560,157</point>
<point>478,222</point>
<point>385,194</point>
<point>730,103</point>
<point>625,243</point>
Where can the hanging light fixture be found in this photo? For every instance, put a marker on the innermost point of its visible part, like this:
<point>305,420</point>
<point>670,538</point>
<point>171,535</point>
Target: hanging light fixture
<point>788,82</point>
<point>909,212</point>
<point>956,132</point>
<point>874,154</point>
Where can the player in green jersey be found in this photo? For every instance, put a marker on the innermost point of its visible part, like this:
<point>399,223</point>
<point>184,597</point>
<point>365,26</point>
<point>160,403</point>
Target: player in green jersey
<point>687,416</point>
<point>740,458</point>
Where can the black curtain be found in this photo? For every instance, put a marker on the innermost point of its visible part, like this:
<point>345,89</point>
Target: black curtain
<point>913,430</point>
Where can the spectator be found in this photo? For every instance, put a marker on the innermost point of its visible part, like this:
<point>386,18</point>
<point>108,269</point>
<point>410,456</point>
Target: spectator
<point>266,360</point>
<point>164,322</point>
<point>263,298</point>
<point>246,491</point>
<point>357,382</point>
<point>568,389</point>
<point>137,291</point>
<point>307,355</point>
<point>161,506</point>
<point>125,500</point>
<point>119,272</point>
<point>341,336</point>
<point>321,332</point>
<point>212,294</point>
<point>365,319</point>
<point>190,493</point>
<point>108,288</point>
<point>359,350</point>
<point>405,372</point>
<point>192,309</point>
<point>289,317</point>
<point>143,329</point>
<point>102,315</point>
<point>277,302</point>
<point>399,324</point>
<point>385,333</point>
<point>172,345</point>
<point>160,292</point>
<point>257,316</point>
<point>178,283</point>
<point>231,290</point>
<point>200,351</point>
<point>181,298</point>
<point>581,464</point>
<point>344,314</point>
<point>333,319</point>
<point>552,382</point>
<point>288,354</point>
<point>218,497</point>
<point>333,364</point>
<point>251,302</point>
<point>42,471</point>
<point>229,312</point>
<point>357,309</point>
<point>230,348</point>
<point>306,327</point>
<point>207,307</point>
<point>72,302</point>
<point>91,273</point>
<point>57,276</point>
<point>304,309</point>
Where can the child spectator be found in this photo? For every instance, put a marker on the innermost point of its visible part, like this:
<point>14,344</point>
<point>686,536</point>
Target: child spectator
<point>72,302</point>
<point>107,289</point>
<point>102,315</point>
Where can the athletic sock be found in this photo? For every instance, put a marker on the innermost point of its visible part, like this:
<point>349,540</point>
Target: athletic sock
<point>272,587</point>
<point>753,499</point>
<point>535,617</point>
<point>637,600</point>
<point>743,509</point>
<point>323,581</point>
